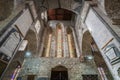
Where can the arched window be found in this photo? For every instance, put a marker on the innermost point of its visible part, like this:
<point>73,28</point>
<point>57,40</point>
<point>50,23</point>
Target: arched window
<point>71,43</point>
<point>59,40</point>
<point>56,35</point>
<point>47,44</point>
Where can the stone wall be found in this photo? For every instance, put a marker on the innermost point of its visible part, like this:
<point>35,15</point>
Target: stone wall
<point>41,67</point>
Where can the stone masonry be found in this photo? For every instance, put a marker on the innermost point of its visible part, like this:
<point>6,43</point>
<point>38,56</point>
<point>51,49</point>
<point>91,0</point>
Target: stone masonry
<point>41,67</point>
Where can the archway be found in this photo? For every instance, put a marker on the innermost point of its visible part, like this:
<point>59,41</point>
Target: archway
<point>47,42</point>
<point>89,47</point>
<point>59,73</point>
<point>32,42</point>
<point>86,43</point>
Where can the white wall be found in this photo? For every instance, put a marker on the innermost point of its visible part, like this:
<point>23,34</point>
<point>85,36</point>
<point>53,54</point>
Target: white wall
<point>103,38</point>
<point>24,22</point>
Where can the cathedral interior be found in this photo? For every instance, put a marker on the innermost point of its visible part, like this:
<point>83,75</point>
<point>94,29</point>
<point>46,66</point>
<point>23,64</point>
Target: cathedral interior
<point>59,39</point>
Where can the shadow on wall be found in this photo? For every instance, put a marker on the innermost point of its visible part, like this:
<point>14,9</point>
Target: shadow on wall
<point>6,8</point>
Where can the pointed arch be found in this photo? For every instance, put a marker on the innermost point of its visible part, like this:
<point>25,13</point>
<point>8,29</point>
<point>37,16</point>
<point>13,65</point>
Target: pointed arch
<point>47,44</point>
<point>86,41</point>
<point>90,51</point>
<point>59,68</point>
<point>71,43</point>
<point>59,40</point>
<point>32,42</point>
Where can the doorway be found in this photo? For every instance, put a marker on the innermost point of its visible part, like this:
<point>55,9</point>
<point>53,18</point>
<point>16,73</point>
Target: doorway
<point>59,73</point>
<point>90,77</point>
<point>31,77</point>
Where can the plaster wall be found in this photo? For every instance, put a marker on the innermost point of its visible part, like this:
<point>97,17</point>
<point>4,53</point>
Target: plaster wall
<point>24,22</point>
<point>101,34</point>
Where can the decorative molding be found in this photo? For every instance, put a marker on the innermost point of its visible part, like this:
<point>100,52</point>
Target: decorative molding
<point>107,43</point>
<point>113,54</point>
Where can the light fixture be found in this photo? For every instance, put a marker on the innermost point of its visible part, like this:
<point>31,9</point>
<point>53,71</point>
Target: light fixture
<point>89,57</point>
<point>28,54</point>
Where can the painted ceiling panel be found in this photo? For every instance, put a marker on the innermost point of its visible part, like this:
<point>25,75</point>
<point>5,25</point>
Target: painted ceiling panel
<point>59,14</point>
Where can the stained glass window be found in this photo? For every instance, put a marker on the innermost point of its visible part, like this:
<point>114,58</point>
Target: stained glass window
<point>59,43</point>
<point>48,46</point>
<point>71,43</point>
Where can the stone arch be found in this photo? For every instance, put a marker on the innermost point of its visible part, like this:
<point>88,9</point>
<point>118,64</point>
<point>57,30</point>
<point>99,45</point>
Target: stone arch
<point>86,48</point>
<point>69,30</point>
<point>59,25</point>
<point>32,42</point>
<point>59,68</point>
<point>6,8</point>
<point>59,72</point>
<point>90,48</point>
<point>60,64</point>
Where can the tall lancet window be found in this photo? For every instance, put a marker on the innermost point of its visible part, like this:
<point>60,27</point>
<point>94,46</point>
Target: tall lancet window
<point>48,45</point>
<point>71,45</point>
<point>59,40</point>
<point>48,42</point>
